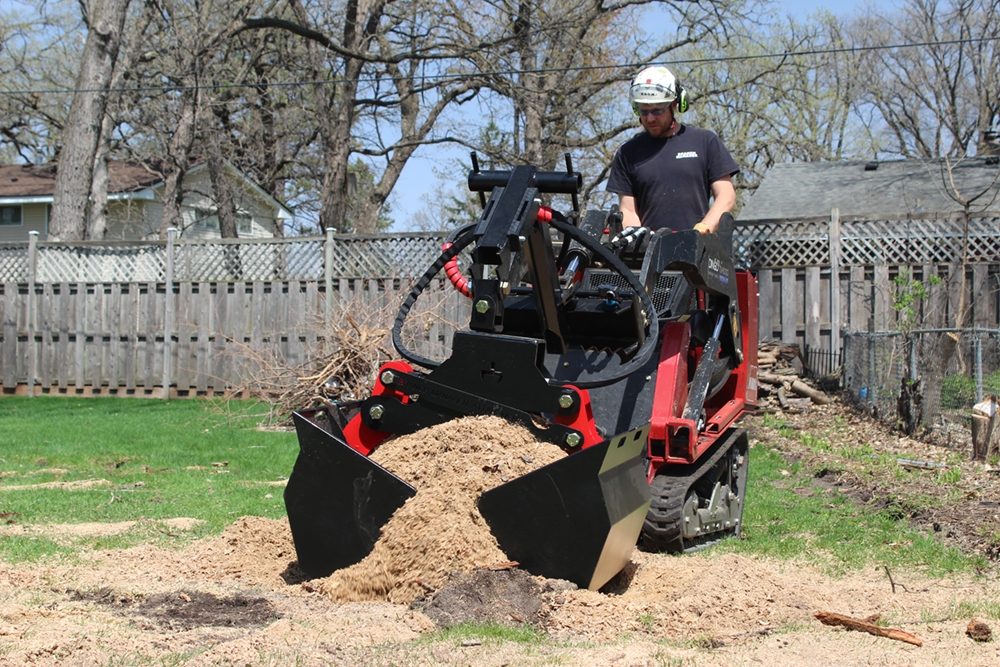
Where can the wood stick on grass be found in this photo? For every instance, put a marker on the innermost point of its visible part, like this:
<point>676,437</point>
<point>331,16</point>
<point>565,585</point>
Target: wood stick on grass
<point>828,618</point>
<point>892,582</point>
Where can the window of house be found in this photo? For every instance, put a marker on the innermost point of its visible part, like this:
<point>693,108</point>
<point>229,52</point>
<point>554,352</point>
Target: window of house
<point>210,220</point>
<point>10,216</point>
<point>206,220</point>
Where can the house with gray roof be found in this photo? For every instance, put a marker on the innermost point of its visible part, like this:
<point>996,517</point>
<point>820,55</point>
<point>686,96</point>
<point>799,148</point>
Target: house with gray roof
<point>888,189</point>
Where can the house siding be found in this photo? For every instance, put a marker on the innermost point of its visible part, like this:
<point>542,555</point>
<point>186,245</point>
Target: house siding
<point>140,218</point>
<point>33,219</point>
<point>133,220</point>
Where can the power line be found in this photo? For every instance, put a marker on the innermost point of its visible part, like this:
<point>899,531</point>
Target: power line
<point>460,77</point>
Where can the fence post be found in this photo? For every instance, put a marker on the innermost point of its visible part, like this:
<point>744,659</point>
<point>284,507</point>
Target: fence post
<point>835,280</point>
<point>168,312</point>
<point>328,269</point>
<point>31,310</point>
<point>871,359</point>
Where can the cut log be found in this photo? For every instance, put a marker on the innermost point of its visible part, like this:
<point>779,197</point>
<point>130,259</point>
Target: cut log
<point>782,398</point>
<point>771,378</point>
<point>767,359</point>
<point>828,618</point>
<point>817,396</point>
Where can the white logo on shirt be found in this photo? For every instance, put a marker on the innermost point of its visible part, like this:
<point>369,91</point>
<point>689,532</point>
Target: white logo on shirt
<point>687,154</point>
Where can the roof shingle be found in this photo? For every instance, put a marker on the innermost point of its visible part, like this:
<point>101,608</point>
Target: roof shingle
<point>811,189</point>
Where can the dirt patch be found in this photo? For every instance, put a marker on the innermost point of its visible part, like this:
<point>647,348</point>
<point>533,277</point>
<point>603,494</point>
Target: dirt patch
<point>247,603</point>
<point>504,597</point>
<point>74,530</point>
<point>187,609</point>
<point>68,486</point>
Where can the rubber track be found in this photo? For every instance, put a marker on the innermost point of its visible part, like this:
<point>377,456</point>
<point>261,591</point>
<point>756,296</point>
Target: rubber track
<point>663,528</point>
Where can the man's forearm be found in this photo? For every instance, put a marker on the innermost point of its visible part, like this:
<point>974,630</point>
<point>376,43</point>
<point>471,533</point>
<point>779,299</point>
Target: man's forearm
<point>723,201</point>
<point>629,216</point>
<point>711,219</point>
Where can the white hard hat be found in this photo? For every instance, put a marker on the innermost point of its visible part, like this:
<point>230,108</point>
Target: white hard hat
<point>656,85</point>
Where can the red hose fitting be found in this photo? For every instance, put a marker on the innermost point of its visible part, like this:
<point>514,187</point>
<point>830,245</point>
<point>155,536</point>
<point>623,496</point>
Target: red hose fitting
<point>544,214</point>
<point>455,275</point>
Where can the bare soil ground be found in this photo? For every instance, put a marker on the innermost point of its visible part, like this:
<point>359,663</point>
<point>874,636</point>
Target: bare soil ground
<point>239,598</point>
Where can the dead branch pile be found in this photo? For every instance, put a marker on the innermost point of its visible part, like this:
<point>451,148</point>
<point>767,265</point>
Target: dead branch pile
<point>779,382</point>
<point>350,349</point>
<point>351,343</point>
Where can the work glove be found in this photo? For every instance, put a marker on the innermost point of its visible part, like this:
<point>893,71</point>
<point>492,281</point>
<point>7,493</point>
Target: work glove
<point>631,237</point>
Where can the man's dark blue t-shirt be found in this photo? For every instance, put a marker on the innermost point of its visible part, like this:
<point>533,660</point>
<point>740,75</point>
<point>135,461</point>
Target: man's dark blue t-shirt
<point>671,178</point>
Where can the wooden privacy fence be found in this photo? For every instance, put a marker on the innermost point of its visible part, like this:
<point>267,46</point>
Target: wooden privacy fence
<point>821,277</point>
<point>195,338</point>
<point>197,316</point>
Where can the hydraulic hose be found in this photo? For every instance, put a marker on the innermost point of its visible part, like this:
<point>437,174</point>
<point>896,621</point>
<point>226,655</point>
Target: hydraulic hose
<point>461,238</point>
<point>456,243</point>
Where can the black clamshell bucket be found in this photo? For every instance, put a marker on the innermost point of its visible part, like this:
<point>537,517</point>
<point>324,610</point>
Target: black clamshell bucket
<point>576,519</point>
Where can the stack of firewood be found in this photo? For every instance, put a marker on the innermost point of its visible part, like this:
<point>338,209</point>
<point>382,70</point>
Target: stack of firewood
<point>779,381</point>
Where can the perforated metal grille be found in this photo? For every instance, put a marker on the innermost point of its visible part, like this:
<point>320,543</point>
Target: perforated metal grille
<point>660,295</point>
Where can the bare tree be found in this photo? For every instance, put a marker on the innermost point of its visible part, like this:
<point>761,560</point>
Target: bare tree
<point>394,42</point>
<point>770,106</point>
<point>557,75</point>
<point>36,70</point>
<point>76,160</point>
<point>932,73</point>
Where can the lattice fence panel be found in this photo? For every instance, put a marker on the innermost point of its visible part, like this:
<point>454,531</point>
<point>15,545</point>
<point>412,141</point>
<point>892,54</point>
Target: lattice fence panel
<point>984,239</point>
<point>256,261</point>
<point>901,241</point>
<point>14,263</point>
<point>303,260</point>
<point>101,263</point>
<point>781,244</point>
<point>400,255</point>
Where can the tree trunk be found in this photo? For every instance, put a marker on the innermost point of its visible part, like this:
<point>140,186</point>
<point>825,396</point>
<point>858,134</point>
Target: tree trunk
<point>179,151</point>
<point>945,349</point>
<point>533,98</point>
<point>86,115</point>
<point>909,405</point>
<point>222,192</point>
<point>97,221</point>
<point>985,429</point>
<point>225,206</point>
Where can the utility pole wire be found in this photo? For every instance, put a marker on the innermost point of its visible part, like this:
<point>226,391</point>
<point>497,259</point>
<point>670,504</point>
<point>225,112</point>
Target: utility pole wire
<point>630,66</point>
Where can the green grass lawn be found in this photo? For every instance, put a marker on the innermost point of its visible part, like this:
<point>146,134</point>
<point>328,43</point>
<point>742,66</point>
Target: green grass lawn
<point>787,517</point>
<point>152,460</point>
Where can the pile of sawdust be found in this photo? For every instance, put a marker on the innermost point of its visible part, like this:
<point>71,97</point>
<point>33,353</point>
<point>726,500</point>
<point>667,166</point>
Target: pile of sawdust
<point>440,529</point>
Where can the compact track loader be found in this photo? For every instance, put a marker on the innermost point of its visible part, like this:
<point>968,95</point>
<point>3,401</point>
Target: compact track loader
<point>635,360</point>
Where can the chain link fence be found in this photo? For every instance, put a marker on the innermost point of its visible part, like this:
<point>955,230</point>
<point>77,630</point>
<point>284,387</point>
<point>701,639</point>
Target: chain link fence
<point>956,368</point>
